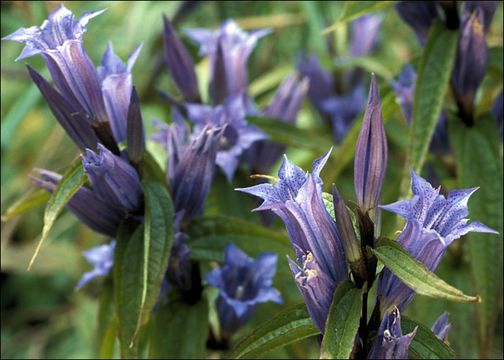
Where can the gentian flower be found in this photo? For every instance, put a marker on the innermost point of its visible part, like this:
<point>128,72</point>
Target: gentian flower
<point>113,179</point>
<point>179,64</point>
<point>370,161</point>
<point>340,100</point>
<point>78,98</point>
<point>297,199</point>
<point>434,222</point>
<point>86,205</point>
<point>102,259</point>
<point>404,87</point>
<point>497,113</point>
<point>419,15</point>
<point>441,327</point>
<point>235,48</point>
<point>284,105</point>
<point>116,82</point>
<point>238,135</point>
<point>243,283</point>
<point>390,342</point>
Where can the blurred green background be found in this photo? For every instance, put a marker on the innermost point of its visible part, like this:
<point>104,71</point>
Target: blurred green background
<point>42,315</point>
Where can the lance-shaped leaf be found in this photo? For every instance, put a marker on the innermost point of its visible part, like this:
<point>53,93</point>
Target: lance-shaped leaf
<point>416,275</point>
<point>342,322</point>
<point>425,344</point>
<point>71,181</point>
<point>141,260</point>
<point>29,201</point>
<point>135,130</point>
<point>432,82</point>
<point>290,325</point>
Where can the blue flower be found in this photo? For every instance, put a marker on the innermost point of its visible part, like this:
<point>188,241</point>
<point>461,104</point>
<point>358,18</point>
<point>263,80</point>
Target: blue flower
<point>434,222</point>
<point>419,15</point>
<point>228,48</point>
<point>243,283</point>
<point>441,326</point>
<point>102,259</point>
<point>370,162</point>
<point>116,82</point>
<point>86,205</point>
<point>364,35</point>
<point>238,135</point>
<point>113,179</point>
<point>390,342</point>
<point>297,199</point>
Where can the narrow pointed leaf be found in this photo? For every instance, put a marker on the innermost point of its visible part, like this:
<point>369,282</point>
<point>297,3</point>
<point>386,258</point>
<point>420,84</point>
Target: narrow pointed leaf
<point>29,201</point>
<point>343,322</point>
<point>290,325</point>
<point>415,274</point>
<point>179,331</point>
<point>433,78</point>
<point>425,344</point>
<point>71,181</point>
<point>478,156</point>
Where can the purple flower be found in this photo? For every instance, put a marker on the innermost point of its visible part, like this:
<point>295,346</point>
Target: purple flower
<point>113,179</point>
<point>390,342</point>
<point>297,199</point>
<point>488,9</point>
<point>235,47</point>
<point>116,82</point>
<point>441,327</point>
<point>419,15</point>
<point>102,259</point>
<point>364,34</point>
<point>85,204</point>
<point>370,161</point>
<point>497,113</point>
<point>310,68</point>
<point>59,41</point>
<point>434,222</point>
<point>238,135</point>
<point>243,283</point>
<point>284,106</point>
<point>179,64</point>
<point>471,60</point>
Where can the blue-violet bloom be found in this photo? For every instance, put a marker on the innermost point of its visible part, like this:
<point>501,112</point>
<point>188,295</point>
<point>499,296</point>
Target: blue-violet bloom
<point>102,259</point>
<point>243,283</point>
<point>441,326</point>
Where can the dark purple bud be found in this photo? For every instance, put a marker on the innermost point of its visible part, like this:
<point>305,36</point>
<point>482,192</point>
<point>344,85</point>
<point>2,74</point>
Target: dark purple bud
<point>194,172</point>
<point>179,64</point>
<point>321,85</point>
<point>179,272</point>
<point>113,179</point>
<point>102,259</point>
<point>487,7</point>
<point>243,283</point>
<point>86,205</point>
<point>370,153</point>
<point>470,63</point>
<point>116,82</point>
<point>419,15</point>
<point>442,327</point>
<point>135,129</point>
<point>218,84</point>
<point>497,113</point>
<point>390,342</point>
<point>74,123</point>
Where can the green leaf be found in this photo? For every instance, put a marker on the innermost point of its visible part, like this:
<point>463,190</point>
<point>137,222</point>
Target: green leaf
<point>343,322</point>
<point>71,181</point>
<point>107,323</point>
<point>355,9</point>
<point>27,202</point>
<point>432,82</point>
<point>290,135</point>
<point>290,325</point>
<point>478,156</point>
<point>209,235</point>
<point>140,262</point>
<point>425,344</point>
<point>415,274</point>
<point>179,331</point>
<point>151,168</point>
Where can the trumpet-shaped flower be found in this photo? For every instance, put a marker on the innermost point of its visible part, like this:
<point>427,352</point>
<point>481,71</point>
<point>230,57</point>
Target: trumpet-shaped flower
<point>102,259</point>
<point>441,326</point>
<point>243,283</point>
<point>297,199</point>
